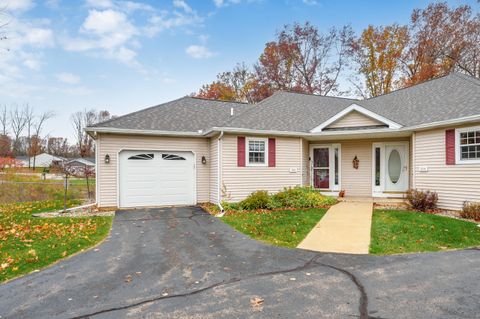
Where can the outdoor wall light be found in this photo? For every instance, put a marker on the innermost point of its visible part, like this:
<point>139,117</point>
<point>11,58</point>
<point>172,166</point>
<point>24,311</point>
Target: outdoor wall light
<point>107,159</point>
<point>204,160</point>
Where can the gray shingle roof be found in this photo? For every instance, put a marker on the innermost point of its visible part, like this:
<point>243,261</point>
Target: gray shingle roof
<point>449,97</point>
<point>294,112</point>
<point>187,114</point>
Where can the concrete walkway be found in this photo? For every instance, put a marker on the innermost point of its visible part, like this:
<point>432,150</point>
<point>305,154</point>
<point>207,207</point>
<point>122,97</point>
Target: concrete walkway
<point>345,228</point>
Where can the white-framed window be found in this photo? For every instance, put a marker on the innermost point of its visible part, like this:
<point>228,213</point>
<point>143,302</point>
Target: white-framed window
<point>467,145</point>
<point>256,151</point>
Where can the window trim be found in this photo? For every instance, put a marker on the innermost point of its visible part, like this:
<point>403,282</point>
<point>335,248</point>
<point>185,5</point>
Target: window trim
<point>458,158</point>
<point>247,151</point>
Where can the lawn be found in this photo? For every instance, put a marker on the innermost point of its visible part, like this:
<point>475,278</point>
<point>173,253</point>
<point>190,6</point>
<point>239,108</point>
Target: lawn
<point>285,228</point>
<point>29,188</point>
<point>29,243</point>
<point>406,232</point>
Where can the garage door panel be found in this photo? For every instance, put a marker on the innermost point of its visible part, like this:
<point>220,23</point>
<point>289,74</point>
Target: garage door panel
<point>157,180</point>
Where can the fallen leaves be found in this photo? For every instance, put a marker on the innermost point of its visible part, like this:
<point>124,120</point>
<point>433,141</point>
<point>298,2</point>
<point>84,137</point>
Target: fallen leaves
<point>27,243</point>
<point>257,303</point>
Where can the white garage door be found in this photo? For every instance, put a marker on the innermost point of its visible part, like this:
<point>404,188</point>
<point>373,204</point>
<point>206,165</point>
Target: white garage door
<point>153,178</point>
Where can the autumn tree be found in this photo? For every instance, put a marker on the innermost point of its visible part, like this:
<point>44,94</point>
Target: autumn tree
<point>18,122</point>
<point>317,58</point>
<point>239,84</point>
<point>35,141</point>
<point>301,59</point>
<point>5,146</point>
<point>58,146</point>
<point>275,70</point>
<point>441,40</point>
<point>217,91</point>
<point>80,120</point>
<point>377,53</point>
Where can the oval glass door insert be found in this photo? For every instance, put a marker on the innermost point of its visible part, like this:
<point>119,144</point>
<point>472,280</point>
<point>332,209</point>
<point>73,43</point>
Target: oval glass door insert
<point>394,166</point>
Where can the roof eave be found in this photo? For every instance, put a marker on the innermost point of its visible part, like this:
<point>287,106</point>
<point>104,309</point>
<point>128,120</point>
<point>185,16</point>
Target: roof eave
<point>450,122</point>
<point>112,130</point>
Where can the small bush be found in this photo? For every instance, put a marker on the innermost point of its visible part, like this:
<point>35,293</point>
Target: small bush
<point>422,200</point>
<point>471,210</point>
<point>227,206</point>
<point>256,200</point>
<point>302,197</point>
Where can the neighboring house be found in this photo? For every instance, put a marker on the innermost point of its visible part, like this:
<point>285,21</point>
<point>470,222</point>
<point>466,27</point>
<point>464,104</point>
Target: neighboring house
<point>46,160</point>
<point>78,165</point>
<point>23,160</point>
<point>193,150</point>
<point>82,162</point>
<point>41,160</point>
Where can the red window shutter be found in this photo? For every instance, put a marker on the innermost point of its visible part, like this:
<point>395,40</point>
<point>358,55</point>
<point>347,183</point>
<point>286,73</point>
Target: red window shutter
<point>271,152</point>
<point>241,151</point>
<point>450,147</point>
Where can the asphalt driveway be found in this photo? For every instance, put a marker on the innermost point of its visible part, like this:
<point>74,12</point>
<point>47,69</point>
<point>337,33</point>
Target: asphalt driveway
<point>183,263</point>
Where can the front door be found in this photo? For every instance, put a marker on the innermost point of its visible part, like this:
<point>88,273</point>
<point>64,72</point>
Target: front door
<point>321,168</point>
<point>325,166</point>
<point>396,168</point>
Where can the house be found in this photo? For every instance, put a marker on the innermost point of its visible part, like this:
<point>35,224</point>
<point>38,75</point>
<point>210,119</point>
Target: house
<point>82,162</point>
<point>22,160</point>
<point>194,150</point>
<point>78,166</point>
<point>41,160</point>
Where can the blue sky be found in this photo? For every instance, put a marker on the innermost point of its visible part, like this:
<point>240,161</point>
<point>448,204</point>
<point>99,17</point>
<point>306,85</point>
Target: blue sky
<point>66,55</point>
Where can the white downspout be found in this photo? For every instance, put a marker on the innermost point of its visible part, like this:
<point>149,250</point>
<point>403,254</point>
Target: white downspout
<point>222,211</point>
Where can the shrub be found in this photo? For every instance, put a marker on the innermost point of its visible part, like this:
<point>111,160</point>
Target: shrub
<point>227,206</point>
<point>422,200</point>
<point>301,197</point>
<point>256,200</point>
<point>471,210</point>
<point>296,197</point>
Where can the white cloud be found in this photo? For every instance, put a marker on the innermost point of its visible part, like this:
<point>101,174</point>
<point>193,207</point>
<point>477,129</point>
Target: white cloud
<point>33,61</point>
<point>52,4</point>
<point>107,21</point>
<point>67,78</point>
<point>310,2</point>
<point>17,5</point>
<point>170,20</point>
<point>182,5</point>
<point>100,3</point>
<point>39,37</point>
<point>131,6</point>
<point>223,3</point>
<point>199,52</point>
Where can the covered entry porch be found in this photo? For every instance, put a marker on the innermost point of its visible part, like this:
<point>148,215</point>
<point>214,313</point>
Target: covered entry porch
<point>360,167</point>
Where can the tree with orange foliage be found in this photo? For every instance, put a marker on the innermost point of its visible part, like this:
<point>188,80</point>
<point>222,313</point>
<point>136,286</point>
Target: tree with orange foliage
<point>441,40</point>
<point>217,91</point>
<point>377,52</point>
<point>239,85</point>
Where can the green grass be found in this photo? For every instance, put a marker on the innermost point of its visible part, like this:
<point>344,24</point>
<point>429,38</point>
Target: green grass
<point>406,232</point>
<point>29,243</point>
<point>285,228</point>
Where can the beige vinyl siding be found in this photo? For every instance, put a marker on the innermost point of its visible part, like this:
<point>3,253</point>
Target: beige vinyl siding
<point>214,169</point>
<point>305,163</point>
<point>354,119</point>
<point>453,183</point>
<point>113,144</point>
<point>356,182</point>
<point>239,182</point>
